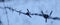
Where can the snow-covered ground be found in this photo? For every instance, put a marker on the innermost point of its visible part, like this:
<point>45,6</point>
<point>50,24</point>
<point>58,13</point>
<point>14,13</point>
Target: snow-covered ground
<point>34,6</point>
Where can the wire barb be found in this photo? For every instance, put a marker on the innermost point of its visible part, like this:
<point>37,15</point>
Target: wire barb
<point>51,12</point>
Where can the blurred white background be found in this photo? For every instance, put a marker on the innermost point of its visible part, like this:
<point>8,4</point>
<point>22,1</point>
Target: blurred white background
<point>34,6</point>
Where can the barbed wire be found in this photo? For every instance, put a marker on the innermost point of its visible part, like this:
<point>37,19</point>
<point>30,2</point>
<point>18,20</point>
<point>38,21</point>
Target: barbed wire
<point>28,13</point>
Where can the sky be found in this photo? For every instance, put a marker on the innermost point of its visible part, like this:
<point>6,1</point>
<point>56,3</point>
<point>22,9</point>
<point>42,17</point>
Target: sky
<point>34,6</point>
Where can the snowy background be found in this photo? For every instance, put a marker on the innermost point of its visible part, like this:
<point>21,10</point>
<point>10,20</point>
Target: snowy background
<point>34,6</point>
